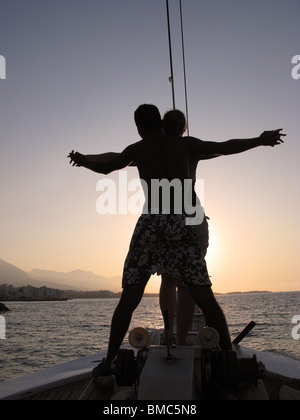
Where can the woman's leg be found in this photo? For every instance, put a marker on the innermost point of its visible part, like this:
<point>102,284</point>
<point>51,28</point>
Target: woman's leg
<point>167,300</point>
<point>184,314</point>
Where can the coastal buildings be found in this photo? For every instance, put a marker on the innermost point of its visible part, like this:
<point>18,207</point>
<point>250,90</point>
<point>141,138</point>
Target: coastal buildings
<point>9,292</point>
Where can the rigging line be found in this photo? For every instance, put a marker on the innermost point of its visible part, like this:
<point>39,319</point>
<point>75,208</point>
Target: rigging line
<point>171,79</point>
<point>184,68</point>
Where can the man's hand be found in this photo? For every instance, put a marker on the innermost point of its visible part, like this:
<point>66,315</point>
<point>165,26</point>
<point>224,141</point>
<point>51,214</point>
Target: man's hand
<point>76,159</point>
<point>272,138</point>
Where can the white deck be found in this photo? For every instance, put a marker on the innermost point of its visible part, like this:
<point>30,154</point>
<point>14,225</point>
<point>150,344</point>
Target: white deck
<point>278,365</point>
<point>81,369</point>
<point>54,376</point>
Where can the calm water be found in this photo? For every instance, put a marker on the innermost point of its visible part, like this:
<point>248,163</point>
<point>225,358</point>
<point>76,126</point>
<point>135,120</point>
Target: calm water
<point>42,334</point>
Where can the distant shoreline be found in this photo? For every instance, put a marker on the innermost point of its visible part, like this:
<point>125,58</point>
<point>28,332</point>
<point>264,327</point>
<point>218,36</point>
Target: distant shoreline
<point>77,295</point>
<point>241,293</point>
<point>33,300</point>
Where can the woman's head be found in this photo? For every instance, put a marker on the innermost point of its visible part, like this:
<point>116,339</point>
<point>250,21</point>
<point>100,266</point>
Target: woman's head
<point>174,123</point>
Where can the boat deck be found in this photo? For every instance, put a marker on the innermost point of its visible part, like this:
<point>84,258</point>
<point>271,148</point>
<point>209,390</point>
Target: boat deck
<point>274,387</point>
<point>85,389</point>
<point>73,380</point>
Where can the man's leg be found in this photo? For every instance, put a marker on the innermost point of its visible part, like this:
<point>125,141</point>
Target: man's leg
<point>129,300</point>
<point>215,318</point>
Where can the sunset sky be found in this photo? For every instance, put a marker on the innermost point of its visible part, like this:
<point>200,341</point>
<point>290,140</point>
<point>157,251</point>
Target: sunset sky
<point>76,70</point>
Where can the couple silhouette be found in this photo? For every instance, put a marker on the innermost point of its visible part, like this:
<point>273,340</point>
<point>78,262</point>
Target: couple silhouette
<point>163,242</point>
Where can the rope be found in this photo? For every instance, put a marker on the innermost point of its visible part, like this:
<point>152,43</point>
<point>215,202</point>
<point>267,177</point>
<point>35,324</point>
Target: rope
<point>170,50</point>
<point>171,79</point>
<point>184,69</point>
<point>84,394</point>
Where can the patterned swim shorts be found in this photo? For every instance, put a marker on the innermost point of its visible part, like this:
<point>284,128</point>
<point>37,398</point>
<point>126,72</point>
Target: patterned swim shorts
<point>164,240</point>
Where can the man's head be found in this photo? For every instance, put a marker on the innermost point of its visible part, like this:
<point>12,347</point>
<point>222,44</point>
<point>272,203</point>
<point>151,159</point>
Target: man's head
<point>174,123</point>
<point>147,118</point>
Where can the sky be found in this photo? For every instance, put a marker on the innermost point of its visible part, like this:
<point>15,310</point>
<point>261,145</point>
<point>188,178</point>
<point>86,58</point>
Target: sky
<point>76,70</point>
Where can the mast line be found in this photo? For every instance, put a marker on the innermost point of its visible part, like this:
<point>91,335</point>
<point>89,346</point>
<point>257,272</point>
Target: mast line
<point>171,59</point>
<point>184,68</point>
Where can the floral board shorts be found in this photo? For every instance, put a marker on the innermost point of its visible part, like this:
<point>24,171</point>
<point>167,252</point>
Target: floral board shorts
<point>164,241</point>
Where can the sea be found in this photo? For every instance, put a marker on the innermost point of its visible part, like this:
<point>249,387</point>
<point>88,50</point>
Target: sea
<point>43,334</point>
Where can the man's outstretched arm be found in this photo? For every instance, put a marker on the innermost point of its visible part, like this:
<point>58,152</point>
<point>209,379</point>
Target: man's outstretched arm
<point>230,147</point>
<point>103,163</point>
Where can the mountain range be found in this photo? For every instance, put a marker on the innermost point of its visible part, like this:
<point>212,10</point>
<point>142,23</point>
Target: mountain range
<point>73,280</point>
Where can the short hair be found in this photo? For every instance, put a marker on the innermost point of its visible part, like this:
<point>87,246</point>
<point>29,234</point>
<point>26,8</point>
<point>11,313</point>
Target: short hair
<point>174,123</point>
<point>147,117</point>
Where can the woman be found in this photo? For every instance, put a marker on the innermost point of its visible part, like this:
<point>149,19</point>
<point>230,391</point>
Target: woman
<point>181,303</point>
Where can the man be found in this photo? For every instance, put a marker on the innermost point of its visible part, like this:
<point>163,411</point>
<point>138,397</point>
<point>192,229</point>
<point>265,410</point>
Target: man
<point>164,240</point>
